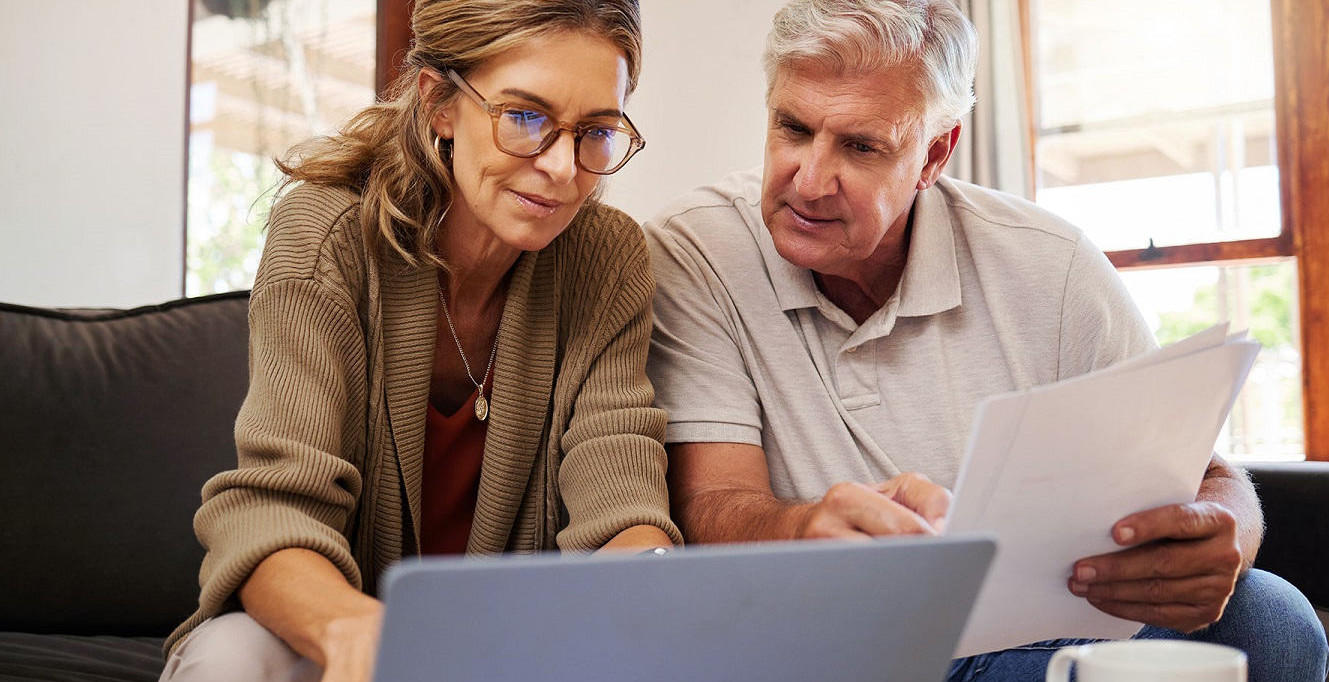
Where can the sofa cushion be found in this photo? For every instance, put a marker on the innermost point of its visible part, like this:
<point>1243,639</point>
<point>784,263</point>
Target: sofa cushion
<point>1295,499</point>
<point>110,422</point>
<point>25,656</point>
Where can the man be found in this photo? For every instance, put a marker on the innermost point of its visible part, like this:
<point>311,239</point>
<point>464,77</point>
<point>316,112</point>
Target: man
<point>824,331</point>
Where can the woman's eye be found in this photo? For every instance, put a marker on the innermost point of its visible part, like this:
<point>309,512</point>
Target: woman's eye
<point>523,116</point>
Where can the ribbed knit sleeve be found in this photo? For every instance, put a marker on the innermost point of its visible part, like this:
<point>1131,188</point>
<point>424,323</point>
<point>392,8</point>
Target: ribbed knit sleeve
<point>299,435</point>
<point>612,475</point>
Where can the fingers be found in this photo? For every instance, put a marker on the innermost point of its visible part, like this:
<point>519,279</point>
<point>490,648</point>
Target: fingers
<point>918,493</point>
<point>1195,591</point>
<point>1180,617</point>
<point>854,510</point>
<point>1162,560</point>
<point>1179,584</point>
<point>1192,521</point>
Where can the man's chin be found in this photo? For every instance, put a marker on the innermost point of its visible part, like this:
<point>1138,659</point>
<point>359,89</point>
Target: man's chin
<point>798,250</point>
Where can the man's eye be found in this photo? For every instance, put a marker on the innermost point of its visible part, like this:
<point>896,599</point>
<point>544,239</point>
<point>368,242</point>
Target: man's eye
<point>862,147</point>
<point>793,128</point>
<point>600,133</point>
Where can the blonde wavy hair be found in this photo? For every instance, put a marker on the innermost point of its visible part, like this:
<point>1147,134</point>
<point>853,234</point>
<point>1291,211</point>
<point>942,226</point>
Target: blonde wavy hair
<point>387,152</point>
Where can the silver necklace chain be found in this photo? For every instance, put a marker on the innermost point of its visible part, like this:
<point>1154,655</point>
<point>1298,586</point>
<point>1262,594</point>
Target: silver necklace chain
<point>481,405</point>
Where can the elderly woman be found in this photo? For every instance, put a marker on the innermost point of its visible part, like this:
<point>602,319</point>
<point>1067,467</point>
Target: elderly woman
<point>448,339</point>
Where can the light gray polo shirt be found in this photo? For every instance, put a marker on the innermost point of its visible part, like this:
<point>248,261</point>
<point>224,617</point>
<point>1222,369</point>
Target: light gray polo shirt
<point>996,295</point>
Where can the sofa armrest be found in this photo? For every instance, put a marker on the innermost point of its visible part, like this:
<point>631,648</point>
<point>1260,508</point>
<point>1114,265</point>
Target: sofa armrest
<point>1295,499</point>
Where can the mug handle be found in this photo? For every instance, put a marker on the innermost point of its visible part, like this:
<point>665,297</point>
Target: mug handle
<point>1059,668</point>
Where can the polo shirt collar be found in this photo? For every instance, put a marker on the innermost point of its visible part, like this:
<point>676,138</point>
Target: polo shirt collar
<point>931,280</point>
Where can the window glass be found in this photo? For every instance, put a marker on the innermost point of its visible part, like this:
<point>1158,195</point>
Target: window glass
<point>1159,129</point>
<point>265,75</point>
<point>1266,421</point>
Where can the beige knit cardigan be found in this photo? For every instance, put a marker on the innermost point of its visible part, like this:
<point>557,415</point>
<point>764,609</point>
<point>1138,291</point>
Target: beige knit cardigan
<point>330,437</point>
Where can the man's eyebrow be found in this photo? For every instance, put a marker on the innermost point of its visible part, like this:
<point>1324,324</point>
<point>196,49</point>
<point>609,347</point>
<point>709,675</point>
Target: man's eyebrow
<point>782,116</point>
<point>887,143</point>
<point>545,104</point>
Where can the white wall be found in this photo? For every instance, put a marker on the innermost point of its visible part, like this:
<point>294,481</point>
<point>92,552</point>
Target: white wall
<point>92,137</point>
<point>701,101</point>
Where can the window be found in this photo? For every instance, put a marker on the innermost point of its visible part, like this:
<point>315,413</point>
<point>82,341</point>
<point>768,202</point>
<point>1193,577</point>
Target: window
<point>1161,130</point>
<point>265,74</point>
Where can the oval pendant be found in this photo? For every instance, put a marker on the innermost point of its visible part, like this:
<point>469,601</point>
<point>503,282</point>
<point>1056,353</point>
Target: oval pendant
<point>481,407</point>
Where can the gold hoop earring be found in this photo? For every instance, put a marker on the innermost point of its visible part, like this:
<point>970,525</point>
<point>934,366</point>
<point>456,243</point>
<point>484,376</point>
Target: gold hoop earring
<point>443,148</point>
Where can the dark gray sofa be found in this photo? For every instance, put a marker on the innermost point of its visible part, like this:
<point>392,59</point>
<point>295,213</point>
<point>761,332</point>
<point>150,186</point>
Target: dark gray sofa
<point>110,422</point>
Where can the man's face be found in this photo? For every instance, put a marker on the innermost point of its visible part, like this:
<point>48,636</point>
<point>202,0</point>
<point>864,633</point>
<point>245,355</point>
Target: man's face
<point>844,156</point>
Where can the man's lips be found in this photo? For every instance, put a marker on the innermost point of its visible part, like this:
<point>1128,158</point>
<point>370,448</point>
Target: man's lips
<point>808,217</point>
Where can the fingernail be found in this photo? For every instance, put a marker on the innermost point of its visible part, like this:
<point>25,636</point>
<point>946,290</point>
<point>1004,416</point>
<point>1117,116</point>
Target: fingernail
<point>1125,534</point>
<point>1079,588</point>
<point>1085,573</point>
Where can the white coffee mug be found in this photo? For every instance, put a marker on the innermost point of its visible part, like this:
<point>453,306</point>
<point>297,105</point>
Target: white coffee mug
<point>1149,660</point>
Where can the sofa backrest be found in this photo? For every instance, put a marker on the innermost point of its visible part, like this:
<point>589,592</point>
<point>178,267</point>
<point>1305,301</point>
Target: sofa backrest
<point>110,422</point>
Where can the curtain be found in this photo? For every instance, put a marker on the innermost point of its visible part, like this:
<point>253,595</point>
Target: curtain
<point>994,139</point>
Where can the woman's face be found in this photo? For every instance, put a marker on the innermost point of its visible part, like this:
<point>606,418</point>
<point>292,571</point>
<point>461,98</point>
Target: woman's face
<point>526,203</point>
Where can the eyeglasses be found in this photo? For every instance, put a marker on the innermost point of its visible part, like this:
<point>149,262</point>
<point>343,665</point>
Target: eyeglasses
<point>526,132</point>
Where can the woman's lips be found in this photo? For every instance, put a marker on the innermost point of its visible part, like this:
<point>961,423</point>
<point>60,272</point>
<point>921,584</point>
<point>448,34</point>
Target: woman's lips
<point>535,204</point>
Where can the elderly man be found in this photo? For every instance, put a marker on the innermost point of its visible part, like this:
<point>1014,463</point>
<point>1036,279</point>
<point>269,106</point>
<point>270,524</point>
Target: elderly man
<point>825,329</point>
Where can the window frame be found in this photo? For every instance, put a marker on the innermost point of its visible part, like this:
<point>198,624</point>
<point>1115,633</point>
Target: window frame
<point>1301,79</point>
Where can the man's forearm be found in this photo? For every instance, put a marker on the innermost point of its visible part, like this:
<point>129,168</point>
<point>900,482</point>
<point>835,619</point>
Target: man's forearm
<point>738,515</point>
<point>1232,488</point>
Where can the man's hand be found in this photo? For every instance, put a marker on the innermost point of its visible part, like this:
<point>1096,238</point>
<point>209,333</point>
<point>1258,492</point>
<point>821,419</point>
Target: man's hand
<point>721,492</point>
<point>1178,573</point>
<point>908,504</point>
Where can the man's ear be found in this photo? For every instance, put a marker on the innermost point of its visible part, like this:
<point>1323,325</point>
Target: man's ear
<point>425,84</point>
<point>939,152</point>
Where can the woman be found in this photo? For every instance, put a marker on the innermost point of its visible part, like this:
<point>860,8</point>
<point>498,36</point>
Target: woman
<point>448,343</point>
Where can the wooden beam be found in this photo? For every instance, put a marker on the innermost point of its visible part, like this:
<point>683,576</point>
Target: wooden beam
<point>1215,253</point>
<point>1301,67</point>
<point>1030,95</point>
<point>393,41</point>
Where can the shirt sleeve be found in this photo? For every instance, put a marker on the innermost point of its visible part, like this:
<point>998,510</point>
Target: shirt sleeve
<point>696,362</point>
<point>1100,323</point>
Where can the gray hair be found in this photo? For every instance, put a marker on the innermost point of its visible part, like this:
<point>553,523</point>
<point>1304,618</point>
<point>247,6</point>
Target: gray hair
<point>861,36</point>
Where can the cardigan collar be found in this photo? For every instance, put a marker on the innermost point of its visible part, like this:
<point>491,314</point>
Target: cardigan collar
<point>519,404</point>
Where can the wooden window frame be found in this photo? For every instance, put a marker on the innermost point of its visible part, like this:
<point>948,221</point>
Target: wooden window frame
<point>1301,89</point>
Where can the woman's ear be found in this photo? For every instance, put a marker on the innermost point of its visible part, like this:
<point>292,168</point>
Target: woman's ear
<point>442,121</point>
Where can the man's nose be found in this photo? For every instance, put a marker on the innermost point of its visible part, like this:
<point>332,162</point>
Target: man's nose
<point>559,161</point>
<point>817,175</point>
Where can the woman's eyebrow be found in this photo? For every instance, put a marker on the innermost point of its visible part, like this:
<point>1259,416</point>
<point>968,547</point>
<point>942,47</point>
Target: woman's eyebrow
<point>545,104</point>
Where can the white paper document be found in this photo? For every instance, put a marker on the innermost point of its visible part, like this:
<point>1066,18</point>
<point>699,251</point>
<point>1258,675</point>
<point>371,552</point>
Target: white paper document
<point>1049,470</point>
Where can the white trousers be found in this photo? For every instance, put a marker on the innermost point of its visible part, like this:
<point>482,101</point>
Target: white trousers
<point>234,646</point>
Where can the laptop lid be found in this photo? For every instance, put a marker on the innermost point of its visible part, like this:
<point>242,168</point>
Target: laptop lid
<point>888,609</point>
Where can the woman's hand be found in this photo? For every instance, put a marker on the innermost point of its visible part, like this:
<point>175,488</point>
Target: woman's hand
<point>305,600</point>
<point>349,646</point>
<point>637,539</point>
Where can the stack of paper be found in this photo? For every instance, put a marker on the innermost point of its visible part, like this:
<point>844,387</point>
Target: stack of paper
<point>1049,470</point>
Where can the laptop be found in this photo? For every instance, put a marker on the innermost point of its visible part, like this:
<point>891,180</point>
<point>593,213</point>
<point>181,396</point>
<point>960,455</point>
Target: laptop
<point>885,609</point>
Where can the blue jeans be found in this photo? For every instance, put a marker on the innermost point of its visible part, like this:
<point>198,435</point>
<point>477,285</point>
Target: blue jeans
<point>1266,617</point>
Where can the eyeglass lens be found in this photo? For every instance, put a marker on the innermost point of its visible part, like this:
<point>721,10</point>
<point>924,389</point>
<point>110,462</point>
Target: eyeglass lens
<point>524,131</point>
